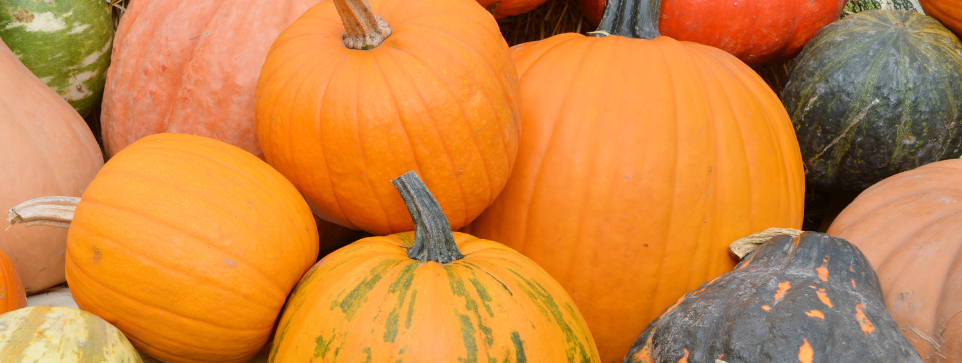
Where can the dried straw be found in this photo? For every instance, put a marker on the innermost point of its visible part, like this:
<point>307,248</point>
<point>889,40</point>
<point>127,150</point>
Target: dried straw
<point>551,18</point>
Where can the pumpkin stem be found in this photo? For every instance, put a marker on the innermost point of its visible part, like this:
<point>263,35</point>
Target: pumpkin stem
<point>631,18</point>
<point>433,239</point>
<point>49,211</point>
<point>743,246</point>
<point>364,30</point>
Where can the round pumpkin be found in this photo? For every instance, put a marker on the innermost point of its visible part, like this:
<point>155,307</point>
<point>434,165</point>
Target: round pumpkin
<point>949,12</point>
<point>875,94</point>
<point>425,85</point>
<point>189,246</point>
<point>505,8</point>
<point>45,149</point>
<point>799,297</point>
<point>640,161</point>
<point>909,226</point>
<point>12,296</point>
<point>53,334</point>
<point>65,43</point>
<point>755,31</point>
<point>430,296</point>
<point>190,67</point>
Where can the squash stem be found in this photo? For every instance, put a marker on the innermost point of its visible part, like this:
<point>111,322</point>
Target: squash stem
<point>364,30</point>
<point>433,239</point>
<point>48,211</point>
<point>743,246</point>
<point>630,18</point>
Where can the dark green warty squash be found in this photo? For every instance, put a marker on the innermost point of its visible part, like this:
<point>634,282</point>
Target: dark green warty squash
<point>873,95</point>
<point>804,297</point>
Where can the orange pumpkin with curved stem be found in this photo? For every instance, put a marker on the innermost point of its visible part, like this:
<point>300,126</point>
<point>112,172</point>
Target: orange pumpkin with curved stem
<point>422,85</point>
<point>949,12</point>
<point>640,161</point>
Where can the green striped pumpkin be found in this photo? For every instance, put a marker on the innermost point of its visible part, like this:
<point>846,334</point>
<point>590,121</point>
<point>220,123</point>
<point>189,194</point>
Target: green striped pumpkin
<point>856,6</point>
<point>53,334</point>
<point>873,95</point>
<point>66,44</point>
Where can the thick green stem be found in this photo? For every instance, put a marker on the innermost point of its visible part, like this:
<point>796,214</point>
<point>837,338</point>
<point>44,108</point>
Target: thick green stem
<point>363,29</point>
<point>49,211</point>
<point>433,239</point>
<point>631,18</point>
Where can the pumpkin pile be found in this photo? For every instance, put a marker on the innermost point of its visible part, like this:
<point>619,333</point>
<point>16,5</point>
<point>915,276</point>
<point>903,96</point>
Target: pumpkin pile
<point>393,181</point>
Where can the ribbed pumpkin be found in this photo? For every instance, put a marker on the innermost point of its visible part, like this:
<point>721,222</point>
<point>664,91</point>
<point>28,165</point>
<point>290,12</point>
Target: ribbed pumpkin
<point>12,295</point>
<point>430,296</point>
<point>45,149</point>
<point>640,161</point>
<point>875,94</point>
<point>755,31</point>
<point>949,12</point>
<point>52,334</point>
<point>910,227</point>
<point>189,245</point>
<point>422,85</point>
<point>799,297</point>
<point>504,8</point>
<point>190,67</point>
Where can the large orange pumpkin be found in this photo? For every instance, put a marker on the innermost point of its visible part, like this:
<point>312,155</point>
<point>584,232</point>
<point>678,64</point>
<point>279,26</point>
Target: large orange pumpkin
<point>45,149</point>
<point>640,161</point>
<point>189,246</point>
<point>430,296</point>
<point>910,228</point>
<point>190,67</point>
<point>949,12</point>
<point>422,85</point>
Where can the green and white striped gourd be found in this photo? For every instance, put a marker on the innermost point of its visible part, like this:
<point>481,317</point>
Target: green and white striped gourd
<point>855,6</point>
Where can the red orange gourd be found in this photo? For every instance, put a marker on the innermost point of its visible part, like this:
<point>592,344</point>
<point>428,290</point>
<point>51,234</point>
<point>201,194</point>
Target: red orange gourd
<point>640,161</point>
<point>352,96</point>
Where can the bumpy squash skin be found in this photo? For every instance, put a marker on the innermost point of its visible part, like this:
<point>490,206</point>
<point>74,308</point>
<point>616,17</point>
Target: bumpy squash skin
<point>370,302</point>
<point>875,94</point>
<point>66,43</point>
<point>54,334</point>
<point>857,6</point>
<point>909,227</point>
<point>811,298</point>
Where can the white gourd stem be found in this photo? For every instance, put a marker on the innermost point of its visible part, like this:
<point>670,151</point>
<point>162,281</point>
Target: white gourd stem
<point>744,246</point>
<point>47,211</point>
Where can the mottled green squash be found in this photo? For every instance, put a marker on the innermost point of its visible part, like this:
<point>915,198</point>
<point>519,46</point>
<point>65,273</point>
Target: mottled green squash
<point>54,334</point>
<point>65,43</point>
<point>873,95</point>
<point>856,6</point>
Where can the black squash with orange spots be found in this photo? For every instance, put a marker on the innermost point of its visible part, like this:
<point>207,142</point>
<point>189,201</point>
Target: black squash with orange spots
<point>811,298</point>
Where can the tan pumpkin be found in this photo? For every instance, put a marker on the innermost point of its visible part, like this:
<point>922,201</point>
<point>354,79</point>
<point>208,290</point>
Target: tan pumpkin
<point>45,149</point>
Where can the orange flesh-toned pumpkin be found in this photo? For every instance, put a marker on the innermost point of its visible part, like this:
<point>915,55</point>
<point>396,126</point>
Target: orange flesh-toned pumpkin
<point>189,246</point>
<point>45,149</point>
<point>430,296</point>
<point>640,161</point>
<point>190,67</point>
<point>910,227</point>
<point>949,12</point>
<point>436,93</point>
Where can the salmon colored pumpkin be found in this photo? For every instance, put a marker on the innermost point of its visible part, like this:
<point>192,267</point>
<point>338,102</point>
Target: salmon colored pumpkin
<point>12,295</point>
<point>353,95</point>
<point>949,12</point>
<point>910,227</point>
<point>430,296</point>
<point>188,245</point>
<point>640,161</point>
<point>190,67</point>
<point>46,148</point>
<point>755,31</point>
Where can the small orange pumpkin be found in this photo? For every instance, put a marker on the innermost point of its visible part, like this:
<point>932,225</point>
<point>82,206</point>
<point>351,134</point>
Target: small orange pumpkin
<point>426,85</point>
<point>12,295</point>
<point>188,245</point>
